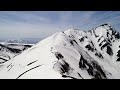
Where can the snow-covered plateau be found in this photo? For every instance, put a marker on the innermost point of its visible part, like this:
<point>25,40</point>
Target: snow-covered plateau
<point>72,54</point>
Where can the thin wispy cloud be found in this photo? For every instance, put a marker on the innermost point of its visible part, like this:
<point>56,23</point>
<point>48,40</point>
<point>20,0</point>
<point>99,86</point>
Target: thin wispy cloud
<point>37,24</point>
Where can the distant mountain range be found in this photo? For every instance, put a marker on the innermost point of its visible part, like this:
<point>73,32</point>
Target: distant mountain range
<point>23,40</point>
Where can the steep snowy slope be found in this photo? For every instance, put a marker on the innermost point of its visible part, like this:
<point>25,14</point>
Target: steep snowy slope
<point>10,50</point>
<point>93,54</point>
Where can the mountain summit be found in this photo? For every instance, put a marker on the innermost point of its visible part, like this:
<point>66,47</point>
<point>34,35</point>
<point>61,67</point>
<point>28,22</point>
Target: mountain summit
<point>72,54</point>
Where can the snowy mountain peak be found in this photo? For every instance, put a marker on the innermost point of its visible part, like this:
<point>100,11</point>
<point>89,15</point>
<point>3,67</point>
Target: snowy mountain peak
<point>77,54</point>
<point>106,29</point>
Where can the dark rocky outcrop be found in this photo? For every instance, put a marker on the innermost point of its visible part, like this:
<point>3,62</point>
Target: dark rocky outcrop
<point>92,68</point>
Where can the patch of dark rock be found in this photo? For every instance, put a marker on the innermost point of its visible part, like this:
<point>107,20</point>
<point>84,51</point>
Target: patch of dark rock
<point>107,34</point>
<point>75,41</point>
<point>4,59</point>
<point>63,32</point>
<point>28,46</point>
<point>99,39</point>
<point>24,48</point>
<point>82,39</point>
<point>99,55</point>
<point>14,50</point>
<point>95,65</point>
<point>63,66</point>
<point>102,42</point>
<point>92,68</point>
<point>71,42</point>
<point>117,36</point>
<point>109,50</point>
<point>109,41</point>
<point>111,38</point>
<point>118,55</point>
<point>92,43</point>
<point>118,59</point>
<point>111,29</point>
<point>104,24</point>
<point>13,44</point>
<point>113,32</point>
<point>2,45</point>
<point>83,63</point>
<point>86,37</point>
<point>105,45</point>
<point>59,55</point>
<point>89,47</point>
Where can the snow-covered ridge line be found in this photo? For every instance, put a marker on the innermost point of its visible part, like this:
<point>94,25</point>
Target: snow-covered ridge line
<point>72,54</point>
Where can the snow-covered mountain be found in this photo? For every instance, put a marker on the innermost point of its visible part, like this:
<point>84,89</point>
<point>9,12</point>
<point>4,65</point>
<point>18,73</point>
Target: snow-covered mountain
<point>10,50</point>
<point>17,41</point>
<point>72,54</point>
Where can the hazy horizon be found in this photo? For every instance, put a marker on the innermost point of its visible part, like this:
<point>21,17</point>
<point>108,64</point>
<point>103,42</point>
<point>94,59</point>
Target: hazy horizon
<point>41,24</point>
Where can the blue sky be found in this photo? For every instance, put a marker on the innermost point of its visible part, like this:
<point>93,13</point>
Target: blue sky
<point>39,24</point>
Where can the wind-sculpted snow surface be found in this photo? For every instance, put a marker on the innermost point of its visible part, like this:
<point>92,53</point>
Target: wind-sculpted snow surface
<point>72,54</point>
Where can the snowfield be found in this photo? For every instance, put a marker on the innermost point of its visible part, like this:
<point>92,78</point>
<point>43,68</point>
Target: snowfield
<point>72,54</point>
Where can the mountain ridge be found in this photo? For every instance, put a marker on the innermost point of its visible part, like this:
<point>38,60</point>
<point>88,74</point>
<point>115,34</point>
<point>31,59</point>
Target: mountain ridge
<point>73,54</point>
